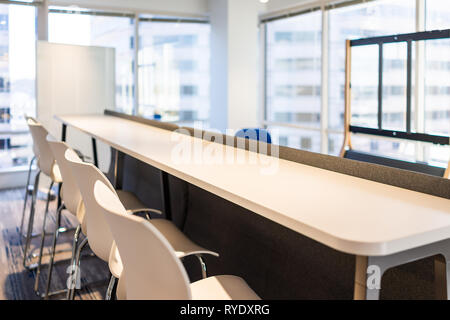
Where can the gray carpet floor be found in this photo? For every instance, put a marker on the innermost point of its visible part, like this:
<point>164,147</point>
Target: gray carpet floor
<point>16,282</point>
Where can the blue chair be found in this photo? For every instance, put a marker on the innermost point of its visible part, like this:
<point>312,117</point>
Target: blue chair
<point>255,134</point>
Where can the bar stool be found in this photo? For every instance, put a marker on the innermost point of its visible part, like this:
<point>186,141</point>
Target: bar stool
<point>28,187</point>
<point>151,267</point>
<point>47,165</point>
<point>99,235</point>
<point>72,202</point>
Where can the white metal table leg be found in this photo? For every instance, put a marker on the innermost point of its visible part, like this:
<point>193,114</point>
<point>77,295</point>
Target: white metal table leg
<point>365,286</point>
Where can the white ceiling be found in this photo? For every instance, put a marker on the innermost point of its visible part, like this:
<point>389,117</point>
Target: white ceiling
<point>184,7</point>
<point>171,7</point>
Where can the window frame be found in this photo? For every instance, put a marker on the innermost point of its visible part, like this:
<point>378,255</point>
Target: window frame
<point>325,7</point>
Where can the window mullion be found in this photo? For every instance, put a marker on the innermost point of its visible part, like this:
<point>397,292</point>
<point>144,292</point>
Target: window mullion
<point>136,65</point>
<point>324,85</point>
<point>419,90</point>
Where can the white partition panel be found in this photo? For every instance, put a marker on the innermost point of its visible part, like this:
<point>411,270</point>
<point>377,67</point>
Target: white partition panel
<point>75,80</point>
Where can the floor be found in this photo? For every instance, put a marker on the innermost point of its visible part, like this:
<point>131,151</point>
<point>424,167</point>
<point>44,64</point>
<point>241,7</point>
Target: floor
<point>16,283</point>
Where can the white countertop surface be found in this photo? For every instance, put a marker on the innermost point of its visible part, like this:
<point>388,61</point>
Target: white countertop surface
<point>349,214</point>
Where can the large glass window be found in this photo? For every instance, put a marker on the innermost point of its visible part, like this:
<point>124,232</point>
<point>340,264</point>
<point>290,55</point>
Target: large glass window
<point>293,72</point>
<point>17,83</point>
<point>375,18</point>
<point>105,31</point>
<point>293,78</point>
<point>174,71</point>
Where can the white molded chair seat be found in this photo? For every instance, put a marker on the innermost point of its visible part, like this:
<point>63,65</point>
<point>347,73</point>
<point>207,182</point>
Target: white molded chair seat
<point>182,245</point>
<point>98,233</point>
<point>222,288</point>
<point>151,267</point>
<point>132,203</point>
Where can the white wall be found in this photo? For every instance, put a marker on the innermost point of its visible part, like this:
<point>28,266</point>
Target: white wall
<point>170,7</point>
<point>75,80</point>
<point>219,64</point>
<point>234,64</point>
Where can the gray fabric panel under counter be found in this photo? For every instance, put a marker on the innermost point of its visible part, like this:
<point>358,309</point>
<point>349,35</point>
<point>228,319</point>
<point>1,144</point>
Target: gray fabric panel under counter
<point>277,262</point>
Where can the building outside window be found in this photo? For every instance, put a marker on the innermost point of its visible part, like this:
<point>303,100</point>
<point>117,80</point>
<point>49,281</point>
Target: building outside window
<point>174,71</point>
<point>293,78</point>
<point>17,83</point>
<point>293,71</point>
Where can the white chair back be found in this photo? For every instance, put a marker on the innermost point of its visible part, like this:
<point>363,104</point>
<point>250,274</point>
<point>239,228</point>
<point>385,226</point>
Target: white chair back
<point>35,149</point>
<point>152,270</point>
<point>86,174</point>
<point>70,192</point>
<point>45,158</point>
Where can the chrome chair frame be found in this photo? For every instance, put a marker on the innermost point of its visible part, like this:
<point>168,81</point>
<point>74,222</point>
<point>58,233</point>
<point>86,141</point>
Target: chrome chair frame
<point>27,191</point>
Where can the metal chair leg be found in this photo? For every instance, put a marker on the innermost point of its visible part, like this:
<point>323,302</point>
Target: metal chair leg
<point>75,269</point>
<point>111,286</point>
<point>53,252</point>
<point>41,248</point>
<point>74,251</point>
<point>26,194</point>
<point>31,219</point>
<point>203,266</point>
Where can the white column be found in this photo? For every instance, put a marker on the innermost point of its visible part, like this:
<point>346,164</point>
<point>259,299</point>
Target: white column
<point>324,98</point>
<point>234,64</point>
<point>135,110</point>
<point>419,88</point>
<point>42,21</point>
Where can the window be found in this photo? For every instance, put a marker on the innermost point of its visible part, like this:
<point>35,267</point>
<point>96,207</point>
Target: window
<point>5,115</point>
<point>381,17</point>
<point>188,90</point>
<point>293,77</point>
<point>179,41</point>
<point>437,14</point>
<point>4,22</point>
<point>308,140</point>
<point>174,71</point>
<point>293,72</point>
<point>17,83</point>
<point>305,143</point>
<point>187,65</point>
<point>105,31</point>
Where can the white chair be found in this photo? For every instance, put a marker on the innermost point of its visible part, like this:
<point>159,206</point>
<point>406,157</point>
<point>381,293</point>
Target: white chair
<point>47,165</point>
<point>72,201</point>
<point>99,235</point>
<point>151,267</point>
